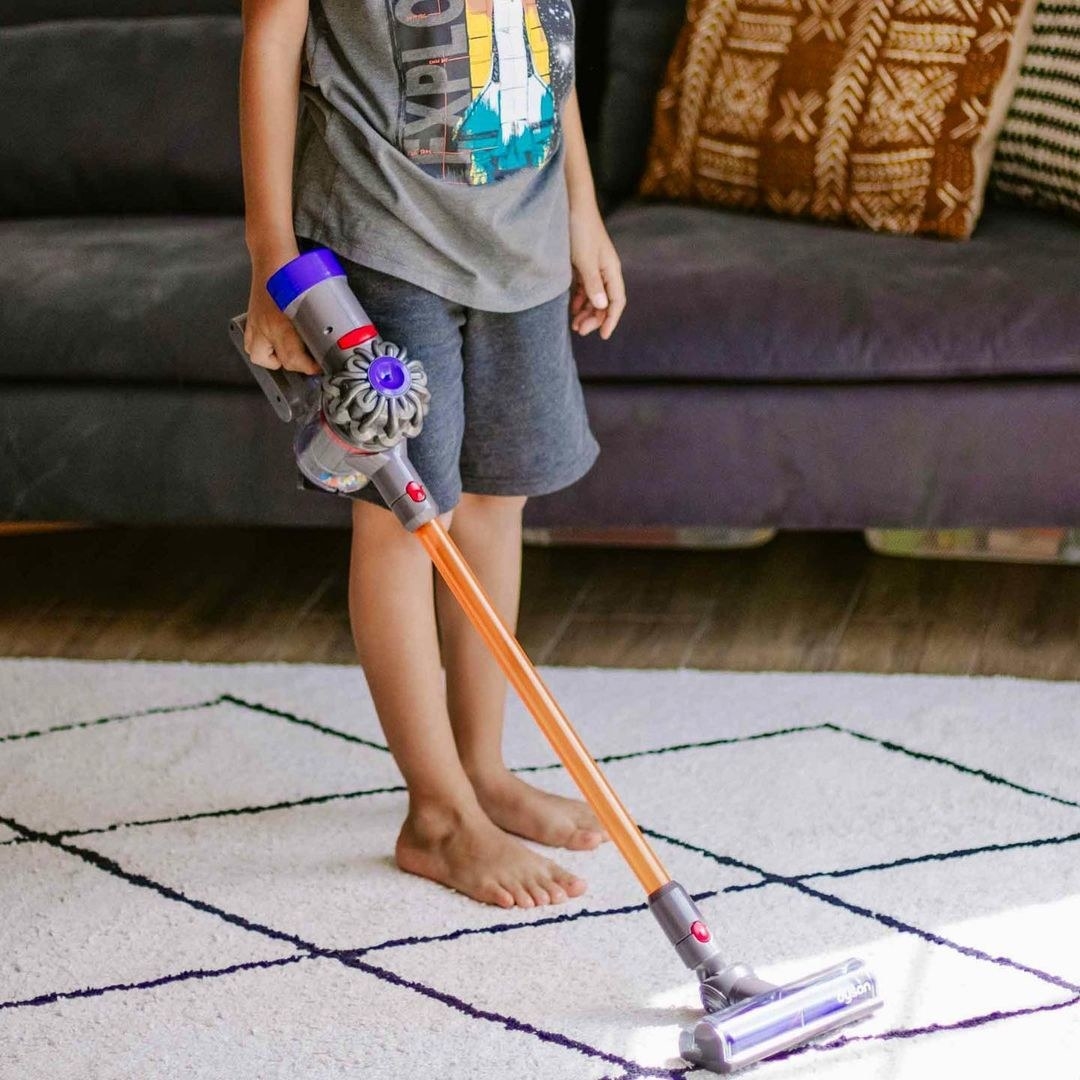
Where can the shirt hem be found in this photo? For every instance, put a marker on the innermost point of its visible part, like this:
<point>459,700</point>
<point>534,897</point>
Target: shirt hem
<point>479,299</point>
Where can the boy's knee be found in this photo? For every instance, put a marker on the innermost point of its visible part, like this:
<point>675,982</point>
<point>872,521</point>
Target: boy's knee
<point>494,504</point>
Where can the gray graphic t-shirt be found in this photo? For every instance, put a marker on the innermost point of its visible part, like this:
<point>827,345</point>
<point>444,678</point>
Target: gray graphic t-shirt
<point>429,144</point>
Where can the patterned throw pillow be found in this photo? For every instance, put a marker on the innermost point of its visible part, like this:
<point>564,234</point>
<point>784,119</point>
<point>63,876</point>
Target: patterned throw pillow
<point>880,113</point>
<point>1038,153</point>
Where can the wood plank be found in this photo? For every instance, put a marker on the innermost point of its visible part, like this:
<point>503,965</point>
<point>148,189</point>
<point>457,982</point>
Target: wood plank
<point>630,641</point>
<point>1034,629</point>
<point>636,581</point>
<point>908,590</point>
<point>922,616</point>
<point>921,647</point>
<point>553,577</point>
<point>538,634</point>
<point>783,607</point>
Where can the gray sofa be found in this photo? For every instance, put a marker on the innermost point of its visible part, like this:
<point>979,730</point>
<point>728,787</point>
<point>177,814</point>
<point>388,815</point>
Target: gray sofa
<point>767,372</point>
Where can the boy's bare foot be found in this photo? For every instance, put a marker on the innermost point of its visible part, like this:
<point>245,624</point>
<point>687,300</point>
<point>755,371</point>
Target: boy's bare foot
<point>472,855</point>
<point>538,815</point>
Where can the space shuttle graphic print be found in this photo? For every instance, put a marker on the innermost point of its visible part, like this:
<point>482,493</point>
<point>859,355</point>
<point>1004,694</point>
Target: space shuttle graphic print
<point>483,81</point>
<point>511,121</point>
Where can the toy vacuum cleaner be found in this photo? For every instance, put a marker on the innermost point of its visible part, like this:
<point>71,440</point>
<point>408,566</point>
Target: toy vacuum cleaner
<point>353,423</point>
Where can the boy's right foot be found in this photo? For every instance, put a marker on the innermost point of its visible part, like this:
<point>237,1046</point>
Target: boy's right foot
<point>469,853</point>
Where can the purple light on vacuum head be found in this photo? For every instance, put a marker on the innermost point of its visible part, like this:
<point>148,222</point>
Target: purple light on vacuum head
<point>797,1005</point>
<point>389,376</point>
<point>781,1018</point>
<point>298,275</point>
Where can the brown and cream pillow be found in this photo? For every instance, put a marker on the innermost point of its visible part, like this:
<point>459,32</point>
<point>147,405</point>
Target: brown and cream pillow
<point>879,113</point>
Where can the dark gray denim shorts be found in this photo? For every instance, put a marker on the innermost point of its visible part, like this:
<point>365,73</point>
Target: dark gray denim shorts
<point>507,415</point>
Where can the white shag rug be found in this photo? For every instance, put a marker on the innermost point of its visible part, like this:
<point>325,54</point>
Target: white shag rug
<point>195,877</point>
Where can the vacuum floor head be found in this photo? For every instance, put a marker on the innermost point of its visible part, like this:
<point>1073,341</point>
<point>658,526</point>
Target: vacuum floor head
<point>781,1018</point>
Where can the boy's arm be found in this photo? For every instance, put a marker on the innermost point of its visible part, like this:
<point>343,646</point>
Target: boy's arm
<point>599,295</point>
<point>269,99</point>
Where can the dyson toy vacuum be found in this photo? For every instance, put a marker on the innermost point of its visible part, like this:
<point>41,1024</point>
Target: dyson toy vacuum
<point>353,423</point>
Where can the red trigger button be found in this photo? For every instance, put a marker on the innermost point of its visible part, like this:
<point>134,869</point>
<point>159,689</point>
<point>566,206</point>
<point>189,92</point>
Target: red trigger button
<point>415,491</point>
<point>357,336</point>
<point>700,931</point>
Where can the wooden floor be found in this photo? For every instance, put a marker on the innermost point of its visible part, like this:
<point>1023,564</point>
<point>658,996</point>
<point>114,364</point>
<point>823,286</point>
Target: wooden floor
<point>804,602</point>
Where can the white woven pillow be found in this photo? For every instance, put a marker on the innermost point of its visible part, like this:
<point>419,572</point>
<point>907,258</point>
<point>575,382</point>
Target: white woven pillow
<point>1038,152</point>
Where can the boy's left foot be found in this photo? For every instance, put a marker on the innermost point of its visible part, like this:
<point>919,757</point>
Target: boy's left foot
<point>526,811</point>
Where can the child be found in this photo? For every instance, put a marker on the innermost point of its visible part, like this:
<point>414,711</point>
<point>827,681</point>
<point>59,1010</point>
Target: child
<point>440,155</point>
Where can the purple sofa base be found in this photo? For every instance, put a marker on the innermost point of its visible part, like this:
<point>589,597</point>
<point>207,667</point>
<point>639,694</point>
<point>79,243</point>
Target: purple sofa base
<point>906,455</point>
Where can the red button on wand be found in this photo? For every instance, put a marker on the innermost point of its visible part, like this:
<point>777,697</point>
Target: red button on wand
<point>415,491</point>
<point>700,931</point>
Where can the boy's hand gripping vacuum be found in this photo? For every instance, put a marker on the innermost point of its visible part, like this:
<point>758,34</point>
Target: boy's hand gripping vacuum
<point>354,422</point>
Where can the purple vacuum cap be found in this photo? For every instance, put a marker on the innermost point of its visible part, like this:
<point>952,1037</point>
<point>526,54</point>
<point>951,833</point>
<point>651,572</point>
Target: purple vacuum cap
<point>389,376</point>
<point>297,276</point>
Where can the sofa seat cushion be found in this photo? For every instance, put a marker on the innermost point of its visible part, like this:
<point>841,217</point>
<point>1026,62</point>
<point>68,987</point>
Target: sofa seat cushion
<point>124,299</point>
<point>714,295</point>
<point>724,295</point>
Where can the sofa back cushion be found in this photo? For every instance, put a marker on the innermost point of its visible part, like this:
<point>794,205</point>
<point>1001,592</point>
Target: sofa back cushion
<point>590,18</point>
<point>640,37</point>
<point>21,12</point>
<point>109,111</point>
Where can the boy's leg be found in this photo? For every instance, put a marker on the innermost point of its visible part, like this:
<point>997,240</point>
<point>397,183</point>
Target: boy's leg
<point>487,529</point>
<point>526,432</point>
<point>447,836</point>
